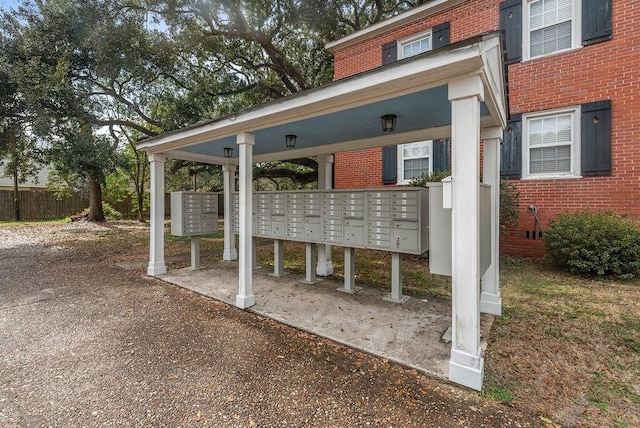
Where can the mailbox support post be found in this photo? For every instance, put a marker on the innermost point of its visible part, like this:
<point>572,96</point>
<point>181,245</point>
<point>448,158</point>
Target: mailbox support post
<point>349,271</point>
<point>310,276</point>
<point>156,222</point>
<point>396,280</point>
<point>278,258</point>
<point>195,252</point>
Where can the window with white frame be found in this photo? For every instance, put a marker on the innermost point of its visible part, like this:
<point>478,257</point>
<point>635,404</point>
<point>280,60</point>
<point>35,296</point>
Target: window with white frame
<point>414,160</point>
<point>552,144</point>
<point>550,26</point>
<point>414,45</point>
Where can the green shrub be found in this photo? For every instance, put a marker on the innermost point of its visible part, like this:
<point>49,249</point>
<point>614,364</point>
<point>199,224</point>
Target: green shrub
<point>509,204</point>
<point>595,244</point>
<point>110,213</point>
<point>435,177</point>
<point>509,196</point>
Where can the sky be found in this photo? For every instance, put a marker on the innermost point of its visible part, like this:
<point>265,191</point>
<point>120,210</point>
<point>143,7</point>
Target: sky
<point>9,4</point>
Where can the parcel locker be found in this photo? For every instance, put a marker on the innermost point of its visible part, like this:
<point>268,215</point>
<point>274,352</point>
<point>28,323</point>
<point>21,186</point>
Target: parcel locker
<point>193,213</point>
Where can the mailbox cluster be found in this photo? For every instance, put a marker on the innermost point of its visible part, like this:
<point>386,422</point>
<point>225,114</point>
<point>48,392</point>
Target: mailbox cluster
<point>194,213</point>
<point>386,219</point>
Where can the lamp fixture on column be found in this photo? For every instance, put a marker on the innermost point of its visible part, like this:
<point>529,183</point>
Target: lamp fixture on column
<point>388,122</point>
<point>290,141</point>
<point>228,152</point>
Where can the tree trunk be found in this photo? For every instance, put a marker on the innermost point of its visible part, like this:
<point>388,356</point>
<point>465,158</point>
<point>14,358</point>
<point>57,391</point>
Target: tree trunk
<point>96,214</point>
<point>16,198</point>
<point>140,197</point>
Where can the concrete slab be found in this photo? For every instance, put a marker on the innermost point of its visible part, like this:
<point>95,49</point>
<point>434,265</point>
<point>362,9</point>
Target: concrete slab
<point>409,333</point>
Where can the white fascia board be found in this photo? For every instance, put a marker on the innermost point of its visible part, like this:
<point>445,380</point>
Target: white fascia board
<point>404,77</point>
<point>407,17</point>
<point>493,78</point>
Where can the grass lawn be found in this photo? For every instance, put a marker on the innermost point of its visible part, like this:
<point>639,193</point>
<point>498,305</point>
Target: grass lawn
<point>566,348</point>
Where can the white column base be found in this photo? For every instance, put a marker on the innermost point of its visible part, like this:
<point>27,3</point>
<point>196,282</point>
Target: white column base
<point>324,268</point>
<point>244,302</point>
<point>490,303</point>
<point>466,369</point>
<point>156,268</point>
<point>230,255</point>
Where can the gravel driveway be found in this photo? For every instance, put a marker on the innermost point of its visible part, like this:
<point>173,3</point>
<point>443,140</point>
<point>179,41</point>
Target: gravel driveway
<point>88,344</point>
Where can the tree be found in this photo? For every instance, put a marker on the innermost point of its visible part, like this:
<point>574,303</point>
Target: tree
<point>79,152</point>
<point>143,67</point>
<point>73,63</point>
<point>236,55</point>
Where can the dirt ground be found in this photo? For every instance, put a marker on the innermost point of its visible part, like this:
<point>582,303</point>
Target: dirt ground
<point>85,343</point>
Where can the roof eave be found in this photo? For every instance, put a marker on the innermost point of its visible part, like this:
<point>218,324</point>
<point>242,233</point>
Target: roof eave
<point>420,12</point>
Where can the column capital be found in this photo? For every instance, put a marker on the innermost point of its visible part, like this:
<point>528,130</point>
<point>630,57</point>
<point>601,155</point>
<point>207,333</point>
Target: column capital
<point>157,157</point>
<point>229,167</point>
<point>466,87</point>
<point>325,158</point>
<point>494,133</point>
<point>246,138</point>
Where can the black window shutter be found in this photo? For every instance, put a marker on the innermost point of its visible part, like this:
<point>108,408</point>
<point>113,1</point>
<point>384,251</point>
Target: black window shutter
<point>596,21</point>
<point>441,155</point>
<point>511,24</point>
<point>440,35</point>
<point>596,138</point>
<point>511,148</point>
<point>389,53</point>
<point>389,164</point>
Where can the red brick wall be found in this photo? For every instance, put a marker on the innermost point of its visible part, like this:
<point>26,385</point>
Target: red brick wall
<point>358,169</point>
<point>606,70</point>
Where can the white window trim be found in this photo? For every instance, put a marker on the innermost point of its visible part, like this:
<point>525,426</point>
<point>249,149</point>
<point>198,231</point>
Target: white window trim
<point>576,31</point>
<point>414,38</point>
<point>400,161</point>
<point>575,146</point>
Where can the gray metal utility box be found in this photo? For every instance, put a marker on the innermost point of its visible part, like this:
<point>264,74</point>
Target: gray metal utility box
<point>440,250</point>
<point>194,213</point>
<point>390,219</point>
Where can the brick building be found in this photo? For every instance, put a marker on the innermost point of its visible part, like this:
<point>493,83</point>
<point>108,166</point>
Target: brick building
<point>573,81</point>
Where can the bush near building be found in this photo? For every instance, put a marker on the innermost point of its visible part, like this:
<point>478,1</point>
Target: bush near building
<point>595,244</point>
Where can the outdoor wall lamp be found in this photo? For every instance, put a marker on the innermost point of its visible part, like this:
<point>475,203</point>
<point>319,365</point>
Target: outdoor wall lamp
<point>290,141</point>
<point>388,122</point>
<point>228,152</point>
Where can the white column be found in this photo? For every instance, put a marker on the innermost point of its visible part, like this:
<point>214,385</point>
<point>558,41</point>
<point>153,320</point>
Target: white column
<point>466,363</point>
<point>490,300</point>
<point>228,175</point>
<point>245,298</point>
<point>325,181</point>
<point>156,243</point>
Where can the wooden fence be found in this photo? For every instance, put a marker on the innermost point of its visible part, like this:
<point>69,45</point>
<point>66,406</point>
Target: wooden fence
<point>43,205</point>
